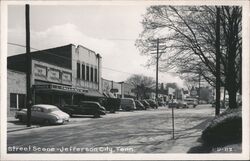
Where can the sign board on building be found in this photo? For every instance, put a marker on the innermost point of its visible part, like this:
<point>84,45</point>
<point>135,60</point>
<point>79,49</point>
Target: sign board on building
<point>54,74</point>
<point>66,77</point>
<point>60,88</point>
<point>40,71</point>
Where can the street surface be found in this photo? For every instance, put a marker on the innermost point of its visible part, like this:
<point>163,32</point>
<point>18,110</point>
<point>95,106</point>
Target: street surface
<point>123,132</point>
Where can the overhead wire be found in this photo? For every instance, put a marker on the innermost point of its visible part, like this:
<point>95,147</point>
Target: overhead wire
<point>49,53</point>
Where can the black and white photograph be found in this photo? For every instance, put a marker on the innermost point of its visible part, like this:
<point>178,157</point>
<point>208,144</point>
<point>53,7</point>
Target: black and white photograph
<point>126,79</point>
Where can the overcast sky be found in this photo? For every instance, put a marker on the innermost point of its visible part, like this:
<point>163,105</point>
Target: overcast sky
<point>108,30</point>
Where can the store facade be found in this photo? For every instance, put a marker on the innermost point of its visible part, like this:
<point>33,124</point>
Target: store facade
<point>61,75</point>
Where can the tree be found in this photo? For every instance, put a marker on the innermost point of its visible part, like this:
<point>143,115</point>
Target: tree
<point>142,85</point>
<point>190,37</point>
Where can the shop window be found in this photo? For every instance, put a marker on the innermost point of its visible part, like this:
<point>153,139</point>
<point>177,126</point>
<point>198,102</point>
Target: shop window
<point>87,73</point>
<point>13,100</point>
<point>78,70</point>
<point>83,72</point>
<point>96,75</point>
<point>17,101</point>
<point>21,101</point>
<point>92,74</point>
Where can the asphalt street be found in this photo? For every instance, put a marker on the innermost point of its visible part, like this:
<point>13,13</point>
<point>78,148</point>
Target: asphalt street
<point>123,132</point>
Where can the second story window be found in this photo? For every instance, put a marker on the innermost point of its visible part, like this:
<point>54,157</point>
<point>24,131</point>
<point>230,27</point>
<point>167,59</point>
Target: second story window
<point>96,75</point>
<point>92,74</point>
<point>87,73</point>
<point>83,72</point>
<point>78,71</point>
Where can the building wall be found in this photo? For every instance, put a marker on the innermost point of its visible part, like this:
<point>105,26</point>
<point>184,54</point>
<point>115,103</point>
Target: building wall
<point>127,90</point>
<point>107,85</point>
<point>16,84</point>
<point>86,57</point>
<point>46,72</point>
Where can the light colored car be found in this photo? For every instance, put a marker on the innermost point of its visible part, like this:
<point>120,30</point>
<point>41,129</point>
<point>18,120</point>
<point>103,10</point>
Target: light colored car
<point>128,104</point>
<point>181,104</point>
<point>45,114</point>
<point>191,102</point>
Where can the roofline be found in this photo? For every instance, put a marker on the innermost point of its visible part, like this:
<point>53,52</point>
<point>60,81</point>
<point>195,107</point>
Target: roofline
<point>41,50</point>
<point>97,54</point>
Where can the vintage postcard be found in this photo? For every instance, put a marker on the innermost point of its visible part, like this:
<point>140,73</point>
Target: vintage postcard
<point>125,80</point>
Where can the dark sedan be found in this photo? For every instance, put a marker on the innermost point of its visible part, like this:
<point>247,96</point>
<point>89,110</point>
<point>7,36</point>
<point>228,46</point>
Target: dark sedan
<point>85,108</point>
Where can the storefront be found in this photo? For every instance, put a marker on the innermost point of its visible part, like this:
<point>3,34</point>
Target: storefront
<point>63,95</point>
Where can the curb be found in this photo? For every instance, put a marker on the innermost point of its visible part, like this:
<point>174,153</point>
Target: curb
<point>21,129</point>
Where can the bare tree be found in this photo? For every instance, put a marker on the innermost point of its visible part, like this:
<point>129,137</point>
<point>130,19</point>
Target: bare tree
<point>142,84</point>
<point>190,41</point>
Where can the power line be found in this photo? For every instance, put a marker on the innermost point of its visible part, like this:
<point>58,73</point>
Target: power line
<point>118,71</point>
<point>49,53</point>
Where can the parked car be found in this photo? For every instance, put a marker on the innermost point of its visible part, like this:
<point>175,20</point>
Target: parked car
<point>111,104</point>
<point>152,103</point>
<point>181,104</point>
<point>145,104</point>
<point>127,104</point>
<point>139,105</point>
<point>191,102</point>
<point>85,108</point>
<point>43,113</point>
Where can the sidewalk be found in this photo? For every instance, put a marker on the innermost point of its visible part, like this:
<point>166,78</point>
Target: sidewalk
<point>14,124</point>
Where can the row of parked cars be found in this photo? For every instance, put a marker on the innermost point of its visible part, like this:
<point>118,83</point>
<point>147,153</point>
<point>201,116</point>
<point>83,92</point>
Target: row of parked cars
<point>50,114</point>
<point>189,102</point>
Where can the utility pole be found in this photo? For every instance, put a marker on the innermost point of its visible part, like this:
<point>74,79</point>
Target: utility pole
<point>28,65</point>
<point>159,49</point>
<point>217,44</point>
<point>157,65</point>
<point>199,94</point>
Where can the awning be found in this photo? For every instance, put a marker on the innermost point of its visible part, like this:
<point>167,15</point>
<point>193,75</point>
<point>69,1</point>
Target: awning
<point>108,95</point>
<point>59,88</point>
<point>93,93</point>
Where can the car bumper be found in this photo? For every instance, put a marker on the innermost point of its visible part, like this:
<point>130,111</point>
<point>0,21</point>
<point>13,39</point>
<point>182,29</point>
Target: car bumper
<point>61,121</point>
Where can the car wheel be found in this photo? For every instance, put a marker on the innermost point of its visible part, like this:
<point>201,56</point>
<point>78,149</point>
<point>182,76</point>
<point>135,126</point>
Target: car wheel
<point>112,110</point>
<point>96,115</point>
<point>21,119</point>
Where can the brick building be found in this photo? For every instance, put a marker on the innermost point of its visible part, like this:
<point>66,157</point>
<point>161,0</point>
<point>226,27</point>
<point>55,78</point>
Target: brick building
<point>61,75</point>
<point>16,92</point>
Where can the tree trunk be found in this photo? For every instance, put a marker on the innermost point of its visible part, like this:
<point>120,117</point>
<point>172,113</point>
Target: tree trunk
<point>232,52</point>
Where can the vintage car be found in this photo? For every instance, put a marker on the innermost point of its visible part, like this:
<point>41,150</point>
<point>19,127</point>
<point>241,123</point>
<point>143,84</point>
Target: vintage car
<point>145,104</point>
<point>127,104</point>
<point>43,113</point>
<point>191,102</point>
<point>85,108</point>
<point>111,104</point>
<point>139,105</point>
<point>152,103</point>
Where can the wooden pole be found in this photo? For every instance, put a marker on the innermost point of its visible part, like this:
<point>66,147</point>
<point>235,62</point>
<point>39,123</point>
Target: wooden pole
<point>28,63</point>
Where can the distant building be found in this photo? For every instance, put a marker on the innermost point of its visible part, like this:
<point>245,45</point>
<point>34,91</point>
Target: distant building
<point>61,75</point>
<point>117,89</point>
<point>111,88</point>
